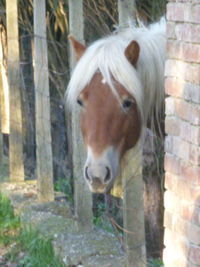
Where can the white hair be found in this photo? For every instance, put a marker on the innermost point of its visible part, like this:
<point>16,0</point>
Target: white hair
<point>145,82</point>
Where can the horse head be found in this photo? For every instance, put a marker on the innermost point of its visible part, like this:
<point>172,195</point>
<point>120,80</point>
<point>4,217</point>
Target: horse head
<point>109,119</point>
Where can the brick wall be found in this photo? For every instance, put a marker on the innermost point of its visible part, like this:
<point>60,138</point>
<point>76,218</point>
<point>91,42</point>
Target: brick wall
<point>182,158</point>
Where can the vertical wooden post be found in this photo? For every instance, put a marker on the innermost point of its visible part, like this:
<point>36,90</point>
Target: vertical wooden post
<point>16,163</point>
<point>133,209</point>
<point>42,105</point>
<point>4,93</point>
<point>1,141</point>
<point>1,97</point>
<point>1,135</point>
<point>126,10</point>
<point>83,198</point>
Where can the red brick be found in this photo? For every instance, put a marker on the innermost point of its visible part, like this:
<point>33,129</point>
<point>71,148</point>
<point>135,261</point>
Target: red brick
<point>192,73</point>
<point>169,144</point>
<point>172,259</point>
<point>195,134</point>
<point>182,70</point>
<point>181,148</point>
<point>188,32</point>
<point>194,254</point>
<point>175,205</point>
<point>180,89</point>
<point>182,188</point>
<point>188,111</point>
<point>171,200</point>
<point>183,12</point>
<point>195,218</point>
<point>186,191</point>
<point>190,173</point>
<point>195,14</point>
<point>192,92</point>
<point>170,30</point>
<point>186,211</point>
<point>185,130</point>
<point>180,262</point>
<point>174,87</point>
<point>170,182</point>
<point>189,212</point>
<point>185,51</point>
<point>172,164</point>
<point>168,219</point>
<point>175,12</point>
<point>190,52</point>
<point>189,132</point>
<point>172,125</point>
<point>183,109</point>
<point>194,155</point>
<point>193,234</point>
<point>169,106</point>
<point>175,241</point>
<point>179,225</point>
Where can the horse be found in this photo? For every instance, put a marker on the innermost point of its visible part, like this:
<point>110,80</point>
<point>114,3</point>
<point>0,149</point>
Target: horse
<point>118,83</point>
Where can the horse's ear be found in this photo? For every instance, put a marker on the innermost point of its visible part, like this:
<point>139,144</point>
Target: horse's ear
<point>79,48</point>
<point>132,52</point>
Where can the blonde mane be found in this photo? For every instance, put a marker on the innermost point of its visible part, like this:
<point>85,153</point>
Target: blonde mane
<point>145,82</point>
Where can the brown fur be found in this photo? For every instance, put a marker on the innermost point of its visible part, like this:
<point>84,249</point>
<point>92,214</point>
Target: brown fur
<point>78,47</point>
<point>104,122</point>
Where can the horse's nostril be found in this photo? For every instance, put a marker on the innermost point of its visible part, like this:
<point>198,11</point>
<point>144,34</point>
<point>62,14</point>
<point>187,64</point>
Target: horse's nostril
<point>86,174</point>
<point>108,175</point>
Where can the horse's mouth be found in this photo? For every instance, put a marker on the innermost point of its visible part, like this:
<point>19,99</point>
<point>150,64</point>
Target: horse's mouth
<point>99,188</point>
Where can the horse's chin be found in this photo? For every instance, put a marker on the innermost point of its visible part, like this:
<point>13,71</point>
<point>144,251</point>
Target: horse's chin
<point>98,190</point>
<point>101,189</point>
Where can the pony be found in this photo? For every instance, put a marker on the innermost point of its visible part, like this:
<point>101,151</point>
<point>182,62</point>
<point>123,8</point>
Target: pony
<point>118,83</point>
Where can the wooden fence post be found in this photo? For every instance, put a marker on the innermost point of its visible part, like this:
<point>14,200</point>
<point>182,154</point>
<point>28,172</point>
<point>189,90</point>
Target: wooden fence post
<point>42,105</point>
<point>16,163</point>
<point>1,135</point>
<point>1,98</point>
<point>82,197</point>
<point>126,10</point>
<point>133,209</point>
<point>1,140</point>
<point>4,94</point>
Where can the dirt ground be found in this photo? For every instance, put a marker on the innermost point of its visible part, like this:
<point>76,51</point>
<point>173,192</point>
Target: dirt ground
<point>93,248</point>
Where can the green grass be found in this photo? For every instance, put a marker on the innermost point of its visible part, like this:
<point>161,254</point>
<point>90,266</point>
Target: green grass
<point>9,223</point>
<point>39,250</point>
<point>4,173</point>
<point>64,185</point>
<point>103,221</point>
<point>155,263</point>
<point>36,248</point>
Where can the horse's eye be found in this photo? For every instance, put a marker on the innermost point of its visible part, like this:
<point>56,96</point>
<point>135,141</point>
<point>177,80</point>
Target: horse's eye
<point>127,103</point>
<point>80,102</point>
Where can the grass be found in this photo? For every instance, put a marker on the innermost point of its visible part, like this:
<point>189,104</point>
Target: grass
<point>39,250</point>
<point>9,223</point>
<point>4,176</point>
<point>101,219</point>
<point>36,249</point>
<point>155,263</point>
<point>64,185</point>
